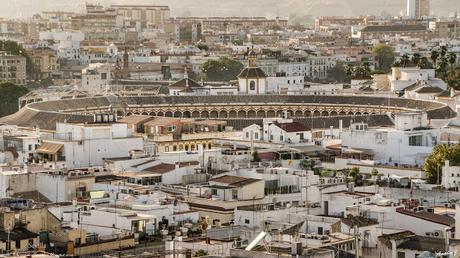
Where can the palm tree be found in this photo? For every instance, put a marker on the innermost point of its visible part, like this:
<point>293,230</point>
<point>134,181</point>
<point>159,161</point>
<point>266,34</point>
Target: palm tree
<point>424,63</point>
<point>453,79</point>
<point>349,70</point>
<point>416,59</point>
<point>367,67</point>
<point>441,67</point>
<point>443,51</point>
<point>434,56</point>
<point>452,57</point>
<point>405,60</point>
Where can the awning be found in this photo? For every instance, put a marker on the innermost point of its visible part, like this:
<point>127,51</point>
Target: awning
<point>49,148</point>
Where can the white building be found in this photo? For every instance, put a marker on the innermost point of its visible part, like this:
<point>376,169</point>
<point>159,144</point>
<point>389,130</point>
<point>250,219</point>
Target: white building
<point>281,83</point>
<point>450,176</point>
<point>408,142</point>
<point>403,77</point>
<point>289,132</point>
<point>86,145</point>
<point>252,80</point>
<point>95,78</point>
<point>236,188</point>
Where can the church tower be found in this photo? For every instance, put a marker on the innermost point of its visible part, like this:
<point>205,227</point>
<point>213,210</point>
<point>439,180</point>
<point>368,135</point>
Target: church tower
<point>252,80</point>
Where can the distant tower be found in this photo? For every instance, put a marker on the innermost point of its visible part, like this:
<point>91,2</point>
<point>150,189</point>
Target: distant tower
<point>125,70</point>
<point>418,8</point>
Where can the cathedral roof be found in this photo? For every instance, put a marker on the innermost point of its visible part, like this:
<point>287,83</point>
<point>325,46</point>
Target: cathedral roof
<point>252,72</point>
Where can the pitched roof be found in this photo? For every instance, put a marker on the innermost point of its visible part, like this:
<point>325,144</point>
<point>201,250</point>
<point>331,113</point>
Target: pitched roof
<point>183,84</point>
<point>135,119</point>
<point>252,72</point>
<point>423,243</point>
<point>292,127</point>
<point>429,89</point>
<point>394,28</point>
<point>166,167</point>
<point>235,181</point>
<point>359,221</point>
<point>429,216</point>
<point>17,234</point>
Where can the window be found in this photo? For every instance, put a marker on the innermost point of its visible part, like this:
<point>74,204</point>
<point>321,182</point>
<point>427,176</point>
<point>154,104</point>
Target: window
<point>247,135</point>
<point>235,194</point>
<point>415,140</point>
<point>252,85</point>
<point>401,255</point>
<point>103,76</point>
<point>256,136</point>
<point>166,148</point>
<point>281,138</point>
<point>246,221</point>
<point>30,147</point>
<point>172,128</point>
<point>214,191</point>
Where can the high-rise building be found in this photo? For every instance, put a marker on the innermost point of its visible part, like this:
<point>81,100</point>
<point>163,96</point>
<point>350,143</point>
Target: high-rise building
<point>12,68</point>
<point>418,8</point>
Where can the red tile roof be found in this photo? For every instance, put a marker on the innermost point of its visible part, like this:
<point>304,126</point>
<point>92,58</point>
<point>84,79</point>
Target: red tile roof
<point>429,216</point>
<point>292,127</point>
<point>234,180</point>
<point>165,167</point>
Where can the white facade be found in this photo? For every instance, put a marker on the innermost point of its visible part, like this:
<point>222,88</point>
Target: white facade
<point>89,145</point>
<point>403,77</point>
<point>450,176</point>
<point>253,132</point>
<point>409,142</point>
<point>252,86</point>
<point>282,84</point>
<point>95,78</point>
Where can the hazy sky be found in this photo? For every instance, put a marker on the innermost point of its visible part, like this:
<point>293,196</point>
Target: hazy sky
<point>283,8</point>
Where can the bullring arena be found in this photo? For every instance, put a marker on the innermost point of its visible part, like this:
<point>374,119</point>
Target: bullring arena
<point>238,110</point>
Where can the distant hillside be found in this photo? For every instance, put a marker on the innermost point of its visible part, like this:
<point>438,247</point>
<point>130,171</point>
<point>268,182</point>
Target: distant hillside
<point>284,8</point>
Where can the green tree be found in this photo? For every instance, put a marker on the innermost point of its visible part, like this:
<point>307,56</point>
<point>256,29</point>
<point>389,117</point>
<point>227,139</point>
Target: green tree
<point>433,163</point>
<point>415,59</point>
<point>307,164</point>
<point>424,63</point>
<point>223,69</point>
<point>441,67</point>
<point>443,51</point>
<point>405,60</point>
<point>453,79</point>
<point>202,46</point>
<point>434,56</point>
<point>339,73</point>
<point>200,253</point>
<point>384,55</point>
<point>452,57</point>
<point>361,72</point>
<point>255,157</point>
<point>9,95</point>
<point>374,172</point>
